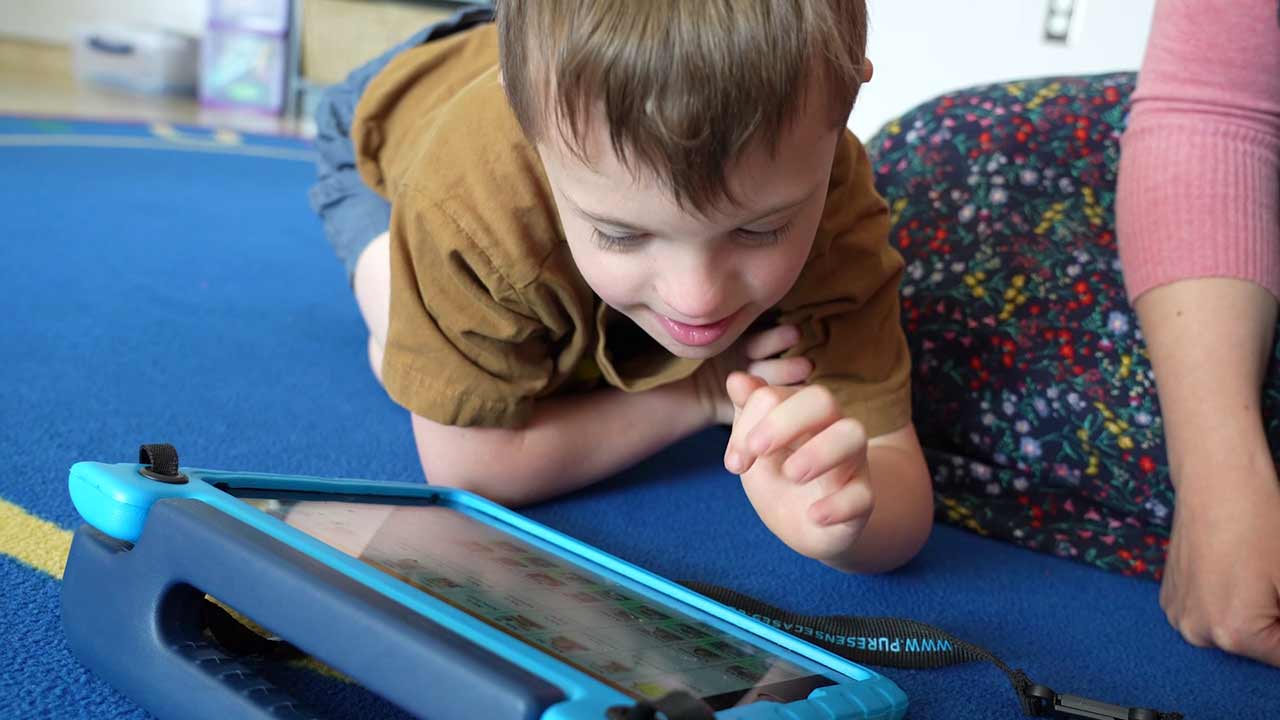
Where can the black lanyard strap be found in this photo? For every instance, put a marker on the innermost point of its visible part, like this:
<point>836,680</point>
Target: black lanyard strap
<point>908,644</point>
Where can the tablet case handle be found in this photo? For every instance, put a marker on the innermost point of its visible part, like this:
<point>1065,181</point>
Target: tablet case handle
<point>183,675</point>
<point>132,613</point>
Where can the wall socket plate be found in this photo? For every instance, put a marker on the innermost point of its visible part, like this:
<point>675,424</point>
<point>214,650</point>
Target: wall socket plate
<point>1062,20</point>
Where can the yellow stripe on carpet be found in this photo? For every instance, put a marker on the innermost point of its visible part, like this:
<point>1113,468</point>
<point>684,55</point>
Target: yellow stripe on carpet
<point>33,541</point>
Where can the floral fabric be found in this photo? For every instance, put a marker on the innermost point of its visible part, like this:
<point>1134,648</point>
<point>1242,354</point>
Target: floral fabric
<point>1032,391</point>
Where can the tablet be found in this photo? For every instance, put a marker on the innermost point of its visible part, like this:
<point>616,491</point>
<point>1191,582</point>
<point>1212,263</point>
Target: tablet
<point>470,593</point>
<point>620,634</point>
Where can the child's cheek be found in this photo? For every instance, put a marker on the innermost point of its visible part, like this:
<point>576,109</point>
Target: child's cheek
<point>771,279</point>
<point>616,284</point>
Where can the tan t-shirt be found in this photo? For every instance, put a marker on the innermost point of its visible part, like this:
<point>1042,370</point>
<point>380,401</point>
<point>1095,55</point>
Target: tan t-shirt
<point>489,312</point>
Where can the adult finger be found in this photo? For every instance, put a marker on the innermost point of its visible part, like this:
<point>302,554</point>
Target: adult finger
<point>1256,637</point>
<point>1264,645</point>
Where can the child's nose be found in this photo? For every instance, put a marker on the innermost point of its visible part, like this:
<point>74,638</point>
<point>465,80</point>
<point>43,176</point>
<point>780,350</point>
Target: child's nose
<point>695,292</point>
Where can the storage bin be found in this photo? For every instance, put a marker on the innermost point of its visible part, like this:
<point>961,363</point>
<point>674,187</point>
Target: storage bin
<point>136,59</point>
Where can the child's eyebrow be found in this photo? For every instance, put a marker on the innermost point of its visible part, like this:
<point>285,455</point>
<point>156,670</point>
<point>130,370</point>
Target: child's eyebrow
<point>631,228</point>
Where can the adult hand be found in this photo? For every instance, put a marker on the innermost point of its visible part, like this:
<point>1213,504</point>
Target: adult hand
<point>1221,585</point>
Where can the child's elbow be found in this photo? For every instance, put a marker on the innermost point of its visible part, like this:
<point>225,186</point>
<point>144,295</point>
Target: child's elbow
<point>883,555</point>
<point>918,523</point>
<point>915,532</point>
<point>467,459</point>
<point>452,456</point>
<point>899,527</point>
<point>474,474</point>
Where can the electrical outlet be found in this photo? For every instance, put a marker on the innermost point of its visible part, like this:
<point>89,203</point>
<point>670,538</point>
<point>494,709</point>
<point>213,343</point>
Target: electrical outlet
<point>1060,19</point>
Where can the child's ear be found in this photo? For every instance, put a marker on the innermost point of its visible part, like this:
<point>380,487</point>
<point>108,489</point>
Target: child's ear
<point>867,70</point>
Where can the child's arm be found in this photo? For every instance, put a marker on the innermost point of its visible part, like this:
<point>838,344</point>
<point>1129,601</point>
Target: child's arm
<point>574,440</point>
<point>570,442</point>
<point>815,478</point>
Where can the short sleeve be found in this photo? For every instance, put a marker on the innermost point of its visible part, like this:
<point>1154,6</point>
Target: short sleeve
<point>463,348</point>
<point>846,301</point>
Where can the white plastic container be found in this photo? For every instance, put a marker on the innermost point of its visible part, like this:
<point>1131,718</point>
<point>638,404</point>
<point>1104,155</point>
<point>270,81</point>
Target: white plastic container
<point>137,59</point>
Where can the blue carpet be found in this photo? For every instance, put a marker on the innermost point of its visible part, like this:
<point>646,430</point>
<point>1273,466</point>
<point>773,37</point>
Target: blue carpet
<point>170,284</point>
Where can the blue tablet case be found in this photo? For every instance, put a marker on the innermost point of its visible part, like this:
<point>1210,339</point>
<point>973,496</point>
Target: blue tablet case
<point>157,543</point>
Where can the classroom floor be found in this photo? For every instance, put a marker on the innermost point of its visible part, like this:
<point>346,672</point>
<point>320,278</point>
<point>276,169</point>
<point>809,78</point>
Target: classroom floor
<point>37,79</point>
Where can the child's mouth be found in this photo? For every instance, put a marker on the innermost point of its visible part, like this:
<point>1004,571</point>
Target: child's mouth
<point>696,335</point>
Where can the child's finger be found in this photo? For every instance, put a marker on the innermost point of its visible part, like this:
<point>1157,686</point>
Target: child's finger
<point>843,442</point>
<point>851,503</point>
<point>771,342</point>
<point>759,401</point>
<point>782,371</point>
<point>739,386</point>
<point>807,412</point>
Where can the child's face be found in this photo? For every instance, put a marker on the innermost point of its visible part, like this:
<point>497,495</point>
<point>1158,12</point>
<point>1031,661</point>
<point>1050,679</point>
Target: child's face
<point>694,282</point>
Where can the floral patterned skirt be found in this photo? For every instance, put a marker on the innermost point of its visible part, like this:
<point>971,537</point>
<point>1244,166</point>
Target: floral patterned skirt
<point>1033,395</point>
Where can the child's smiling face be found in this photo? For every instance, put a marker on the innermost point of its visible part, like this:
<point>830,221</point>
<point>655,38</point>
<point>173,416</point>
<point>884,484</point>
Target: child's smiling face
<point>693,280</point>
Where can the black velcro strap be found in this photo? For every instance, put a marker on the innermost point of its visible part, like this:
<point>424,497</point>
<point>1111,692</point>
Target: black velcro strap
<point>160,462</point>
<point>160,457</point>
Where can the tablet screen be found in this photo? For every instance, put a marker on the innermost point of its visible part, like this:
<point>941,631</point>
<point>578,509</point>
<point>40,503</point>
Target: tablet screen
<point>614,633</point>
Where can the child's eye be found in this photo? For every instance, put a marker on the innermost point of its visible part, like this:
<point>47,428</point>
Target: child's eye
<point>761,238</point>
<point>616,243</point>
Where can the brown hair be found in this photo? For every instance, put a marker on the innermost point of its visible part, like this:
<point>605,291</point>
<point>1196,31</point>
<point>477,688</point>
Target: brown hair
<point>685,85</point>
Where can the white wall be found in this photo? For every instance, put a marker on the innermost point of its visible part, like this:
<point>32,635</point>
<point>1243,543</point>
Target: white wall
<point>923,48</point>
<point>57,20</point>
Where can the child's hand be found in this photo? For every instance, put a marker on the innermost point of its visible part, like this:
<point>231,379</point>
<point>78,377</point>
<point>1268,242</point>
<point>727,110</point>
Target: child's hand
<point>1221,585</point>
<point>803,464</point>
<point>754,354</point>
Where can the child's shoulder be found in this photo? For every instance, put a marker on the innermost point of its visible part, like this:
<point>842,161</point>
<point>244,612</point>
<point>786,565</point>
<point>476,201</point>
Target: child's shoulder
<point>479,184</point>
<point>441,99</point>
<point>436,135</point>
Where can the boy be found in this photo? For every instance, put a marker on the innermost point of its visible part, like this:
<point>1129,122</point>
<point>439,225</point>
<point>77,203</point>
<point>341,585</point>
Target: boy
<point>591,205</point>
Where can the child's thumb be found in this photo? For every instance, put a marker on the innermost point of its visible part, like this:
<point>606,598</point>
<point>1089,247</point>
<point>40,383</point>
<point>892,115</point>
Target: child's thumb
<point>739,386</point>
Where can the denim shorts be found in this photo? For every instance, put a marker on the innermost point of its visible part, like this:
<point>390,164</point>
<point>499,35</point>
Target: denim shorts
<point>353,214</point>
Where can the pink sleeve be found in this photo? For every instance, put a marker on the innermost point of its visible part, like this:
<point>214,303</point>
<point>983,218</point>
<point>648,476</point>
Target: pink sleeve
<point>1199,183</point>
